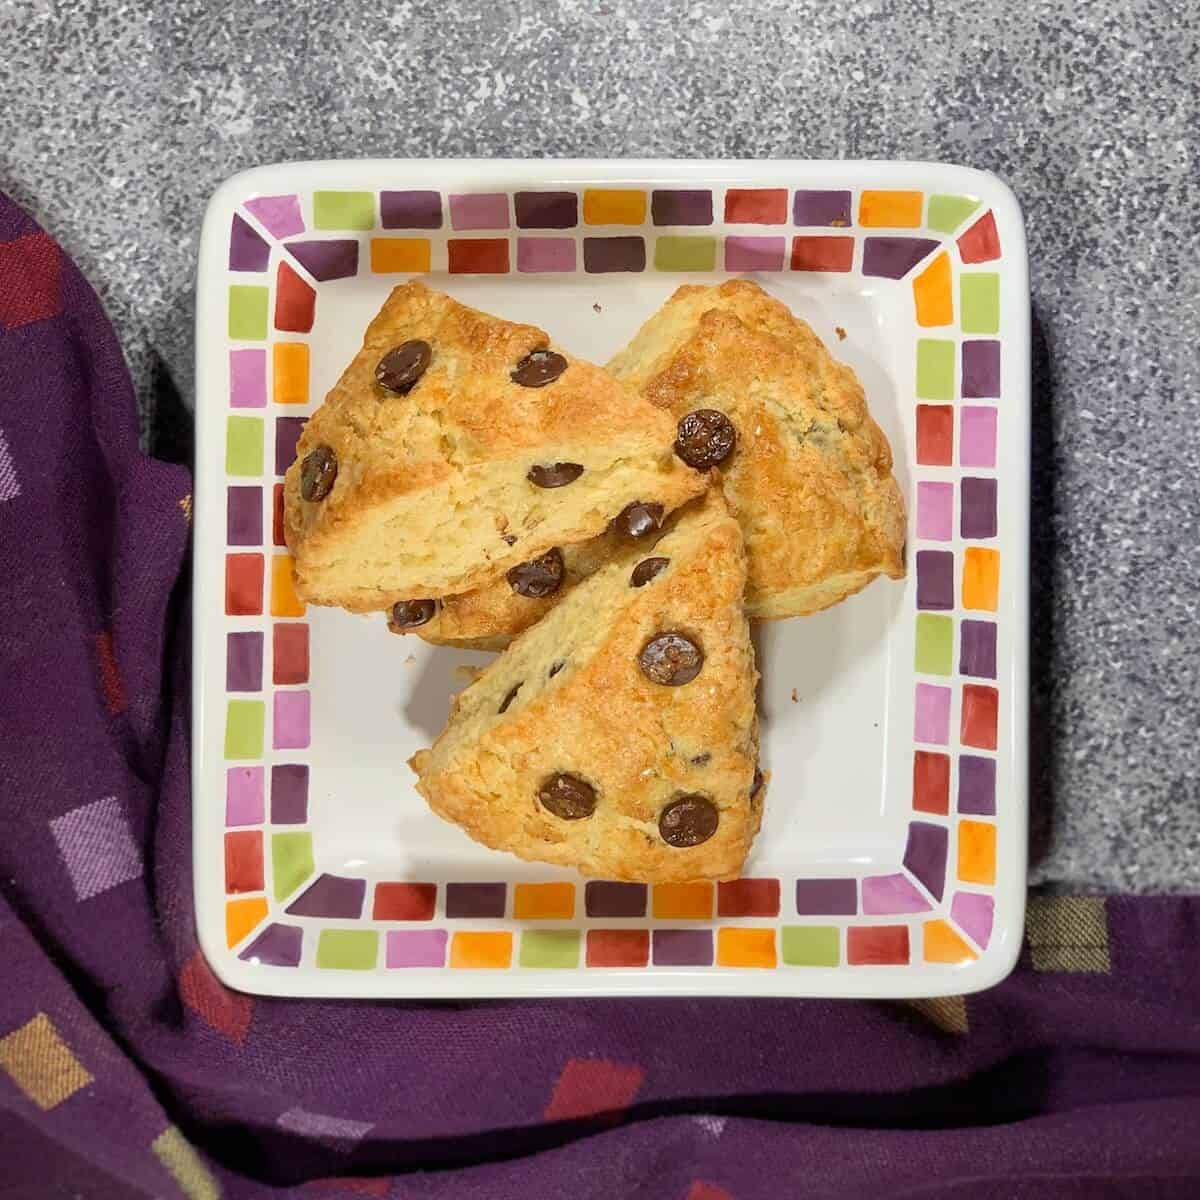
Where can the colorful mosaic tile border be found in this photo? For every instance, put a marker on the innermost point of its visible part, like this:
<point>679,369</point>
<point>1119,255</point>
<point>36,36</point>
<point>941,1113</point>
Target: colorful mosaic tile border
<point>937,904</point>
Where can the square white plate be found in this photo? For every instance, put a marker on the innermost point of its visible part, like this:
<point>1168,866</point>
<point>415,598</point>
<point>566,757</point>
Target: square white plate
<point>892,856</point>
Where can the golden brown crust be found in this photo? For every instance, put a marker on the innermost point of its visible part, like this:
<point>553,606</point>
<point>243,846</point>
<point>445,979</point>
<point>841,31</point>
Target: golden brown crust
<point>810,479</point>
<point>640,744</point>
<point>429,484</point>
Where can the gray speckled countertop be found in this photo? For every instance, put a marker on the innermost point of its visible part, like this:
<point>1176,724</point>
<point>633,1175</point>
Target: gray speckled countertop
<point>118,119</point>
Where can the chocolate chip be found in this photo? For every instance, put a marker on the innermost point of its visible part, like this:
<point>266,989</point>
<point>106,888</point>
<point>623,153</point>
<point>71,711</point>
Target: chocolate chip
<point>756,786</point>
<point>509,539</point>
<point>317,473</point>
<point>688,821</point>
<point>646,571</point>
<point>512,695</point>
<point>558,666</point>
<point>400,368</point>
<point>671,659</point>
<point>637,519</point>
<point>539,577</point>
<point>702,760</point>
<point>568,797</point>
<point>705,438</point>
<point>408,614</point>
<point>555,475</point>
<point>538,369</point>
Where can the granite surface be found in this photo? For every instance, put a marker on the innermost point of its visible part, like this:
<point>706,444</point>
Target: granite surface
<point>118,119</point>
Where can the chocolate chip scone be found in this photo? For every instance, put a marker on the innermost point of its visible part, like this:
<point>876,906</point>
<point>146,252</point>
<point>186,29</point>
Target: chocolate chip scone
<point>806,471</point>
<point>618,735</point>
<point>458,446</point>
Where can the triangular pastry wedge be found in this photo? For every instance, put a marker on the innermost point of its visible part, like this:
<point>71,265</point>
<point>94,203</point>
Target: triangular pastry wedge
<point>618,735</point>
<point>457,446</point>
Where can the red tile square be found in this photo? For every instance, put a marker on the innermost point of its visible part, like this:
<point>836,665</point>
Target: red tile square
<point>980,243</point>
<point>244,861</point>
<point>404,901</point>
<point>935,435</point>
<point>290,653</point>
<point>876,945</point>
<point>618,947</point>
<point>29,280</point>
<point>931,782</point>
<point>980,715</point>
<point>478,256</point>
<point>822,253</point>
<point>756,206</point>
<point>748,898</point>
<point>243,584</point>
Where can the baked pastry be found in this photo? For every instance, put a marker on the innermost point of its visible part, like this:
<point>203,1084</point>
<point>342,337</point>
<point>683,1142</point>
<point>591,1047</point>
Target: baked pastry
<point>457,446</point>
<point>618,735</point>
<point>806,471</point>
<point>489,617</point>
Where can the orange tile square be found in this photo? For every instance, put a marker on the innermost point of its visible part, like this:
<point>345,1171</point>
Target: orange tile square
<point>981,579</point>
<point>943,945</point>
<point>739,947</point>
<point>544,901</point>
<point>976,852</point>
<point>683,901</point>
<point>408,255</point>
<point>284,601</point>
<point>605,206</point>
<point>933,293</point>
<point>241,916</point>
<point>890,210</point>
<point>289,373</point>
<point>492,950</point>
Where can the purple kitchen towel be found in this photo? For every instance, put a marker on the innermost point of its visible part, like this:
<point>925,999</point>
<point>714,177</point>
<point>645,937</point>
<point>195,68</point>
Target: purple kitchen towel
<point>127,1070</point>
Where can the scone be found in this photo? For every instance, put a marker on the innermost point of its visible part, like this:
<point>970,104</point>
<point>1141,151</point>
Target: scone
<point>618,735</point>
<point>457,447</point>
<point>806,471</point>
<point>489,617</point>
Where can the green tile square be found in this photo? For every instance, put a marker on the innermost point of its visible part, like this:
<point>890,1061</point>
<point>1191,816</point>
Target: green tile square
<point>247,312</point>
<point>291,862</point>
<point>550,948</point>
<point>344,210</point>
<point>935,644</point>
<point>811,945</point>
<point>348,949</point>
<point>979,299</point>
<point>947,213</point>
<point>680,253</point>
<point>244,446</point>
<point>244,721</point>
<point>935,369</point>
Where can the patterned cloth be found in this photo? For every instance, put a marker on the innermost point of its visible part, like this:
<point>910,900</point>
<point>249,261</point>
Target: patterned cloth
<point>126,1069</point>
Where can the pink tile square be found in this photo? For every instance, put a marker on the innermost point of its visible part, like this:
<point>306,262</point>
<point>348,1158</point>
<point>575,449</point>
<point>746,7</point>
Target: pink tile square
<point>536,255</point>
<point>291,720</point>
<point>755,253</point>
<point>244,796</point>
<point>977,439</point>
<point>931,719</point>
<point>248,378</point>
<point>416,948</point>
<point>280,215</point>
<point>484,210</point>
<point>935,511</point>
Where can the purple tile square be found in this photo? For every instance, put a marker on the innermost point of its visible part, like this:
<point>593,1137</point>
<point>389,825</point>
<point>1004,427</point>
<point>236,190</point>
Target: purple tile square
<point>977,649</point>
<point>978,508</point>
<point>821,208</point>
<point>289,794</point>
<point>291,726</point>
<point>546,210</point>
<point>476,899</point>
<point>97,847</point>
<point>980,369</point>
<point>277,946</point>
<point>605,899</point>
<point>976,785</point>
<point>602,255</point>
<point>287,434</point>
<point>278,215</point>
<point>328,258</point>
<point>681,206</point>
<point>925,855</point>
<point>416,948</point>
<point>330,896</point>
<point>682,947</point>
<point>247,249</point>
<point>935,511</point>
<point>485,210</point>
<point>410,210</point>
<point>248,378</point>
<point>887,894</point>
<point>243,662</point>
<point>894,257</point>
<point>538,255</point>
<point>755,253</point>
<point>244,796</point>
<point>931,714</point>
<point>935,580</point>
<point>243,516</point>
<point>826,897</point>
<point>977,443</point>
